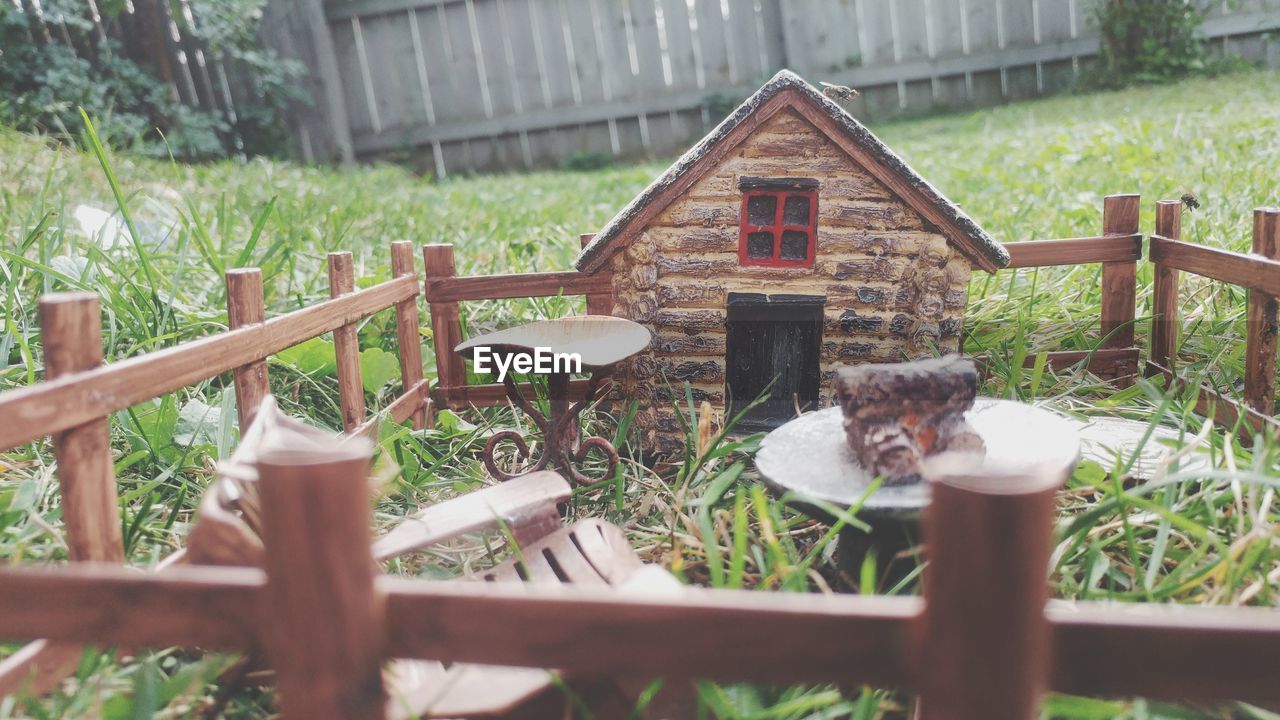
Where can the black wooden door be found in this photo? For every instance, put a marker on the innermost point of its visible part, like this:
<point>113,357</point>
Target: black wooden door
<point>772,339</point>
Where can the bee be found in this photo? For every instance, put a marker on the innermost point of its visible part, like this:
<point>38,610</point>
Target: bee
<point>1190,200</point>
<point>842,93</point>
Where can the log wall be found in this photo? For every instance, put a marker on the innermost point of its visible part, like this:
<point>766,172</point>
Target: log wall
<point>895,288</point>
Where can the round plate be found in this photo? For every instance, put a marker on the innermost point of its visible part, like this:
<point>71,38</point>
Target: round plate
<point>1103,439</point>
<point>810,456</point>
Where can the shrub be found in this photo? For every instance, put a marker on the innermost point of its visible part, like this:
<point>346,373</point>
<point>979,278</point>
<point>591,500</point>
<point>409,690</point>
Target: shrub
<point>586,160</point>
<point>43,85</point>
<point>1148,40</point>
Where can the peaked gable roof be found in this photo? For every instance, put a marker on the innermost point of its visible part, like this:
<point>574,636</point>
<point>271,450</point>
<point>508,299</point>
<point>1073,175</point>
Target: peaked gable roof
<point>787,89</point>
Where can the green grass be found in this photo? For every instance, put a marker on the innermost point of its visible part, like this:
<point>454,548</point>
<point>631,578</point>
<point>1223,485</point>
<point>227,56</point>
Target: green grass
<point>1032,170</point>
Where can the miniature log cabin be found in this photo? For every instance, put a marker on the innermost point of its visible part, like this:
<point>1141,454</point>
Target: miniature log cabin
<point>787,242</point>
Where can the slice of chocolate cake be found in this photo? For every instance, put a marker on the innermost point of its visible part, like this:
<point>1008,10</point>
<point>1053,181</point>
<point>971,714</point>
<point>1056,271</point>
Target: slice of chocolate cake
<point>897,414</point>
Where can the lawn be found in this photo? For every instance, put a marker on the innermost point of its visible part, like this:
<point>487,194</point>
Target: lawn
<point>1025,171</point>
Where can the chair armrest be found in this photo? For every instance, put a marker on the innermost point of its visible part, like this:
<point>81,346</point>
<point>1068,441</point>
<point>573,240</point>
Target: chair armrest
<point>518,497</point>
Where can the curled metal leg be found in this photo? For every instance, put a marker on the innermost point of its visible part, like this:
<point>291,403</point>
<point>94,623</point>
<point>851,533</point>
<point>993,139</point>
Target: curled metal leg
<point>522,453</point>
<point>571,458</point>
<point>562,441</point>
<point>522,447</point>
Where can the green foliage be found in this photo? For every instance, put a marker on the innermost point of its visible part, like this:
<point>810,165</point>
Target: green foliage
<point>1149,40</point>
<point>158,682</point>
<point>377,369</point>
<point>229,29</point>
<point>314,357</point>
<point>586,161</point>
<point>44,85</point>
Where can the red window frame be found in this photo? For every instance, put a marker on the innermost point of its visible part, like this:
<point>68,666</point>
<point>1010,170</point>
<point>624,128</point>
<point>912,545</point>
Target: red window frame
<point>777,227</point>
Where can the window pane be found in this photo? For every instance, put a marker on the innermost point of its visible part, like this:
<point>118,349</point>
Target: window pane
<point>761,209</point>
<point>796,211</point>
<point>760,245</point>
<point>795,244</point>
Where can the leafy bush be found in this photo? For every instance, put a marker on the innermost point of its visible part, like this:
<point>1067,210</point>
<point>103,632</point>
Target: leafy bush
<point>1149,40</point>
<point>229,29</point>
<point>43,85</point>
<point>584,160</point>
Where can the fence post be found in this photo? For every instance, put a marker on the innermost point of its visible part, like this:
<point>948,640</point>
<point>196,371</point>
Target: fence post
<point>446,325</point>
<point>1164,295</point>
<point>407,322</point>
<point>245,306</point>
<point>984,644</point>
<point>322,613</point>
<point>71,326</point>
<point>597,303</point>
<point>342,281</point>
<point>1260,326</point>
<point>1119,279</point>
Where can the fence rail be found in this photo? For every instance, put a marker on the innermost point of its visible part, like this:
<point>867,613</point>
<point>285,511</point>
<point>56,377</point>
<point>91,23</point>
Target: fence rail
<point>496,84</point>
<point>1253,272</point>
<point>1074,251</point>
<point>59,404</point>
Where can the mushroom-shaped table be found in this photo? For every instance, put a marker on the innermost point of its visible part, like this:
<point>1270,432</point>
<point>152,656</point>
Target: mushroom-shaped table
<point>595,344</point>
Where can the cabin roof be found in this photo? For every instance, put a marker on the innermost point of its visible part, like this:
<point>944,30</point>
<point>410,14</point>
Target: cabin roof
<point>791,91</point>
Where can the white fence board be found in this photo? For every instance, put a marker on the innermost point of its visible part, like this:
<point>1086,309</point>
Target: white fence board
<point>712,39</point>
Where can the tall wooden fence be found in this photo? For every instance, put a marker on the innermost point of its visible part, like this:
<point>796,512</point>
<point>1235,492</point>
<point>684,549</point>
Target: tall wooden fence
<point>473,85</point>
<point>462,85</point>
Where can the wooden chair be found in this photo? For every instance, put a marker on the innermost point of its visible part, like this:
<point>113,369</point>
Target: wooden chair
<point>589,552</point>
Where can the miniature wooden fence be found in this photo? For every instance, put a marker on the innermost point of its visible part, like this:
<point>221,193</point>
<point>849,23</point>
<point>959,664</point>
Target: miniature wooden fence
<point>1118,249</point>
<point>445,289</point>
<point>982,643</point>
<point>80,392</point>
<point>1259,272</point>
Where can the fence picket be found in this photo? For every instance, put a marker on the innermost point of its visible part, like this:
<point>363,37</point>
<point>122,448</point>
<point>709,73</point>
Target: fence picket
<point>1164,293</point>
<point>346,345</point>
<point>1119,279</point>
<point>947,36</point>
<point>71,325</point>
<point>1260,347</point>
<point>326,637</point>
<point>877,34</point>
<point>246,306</point>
